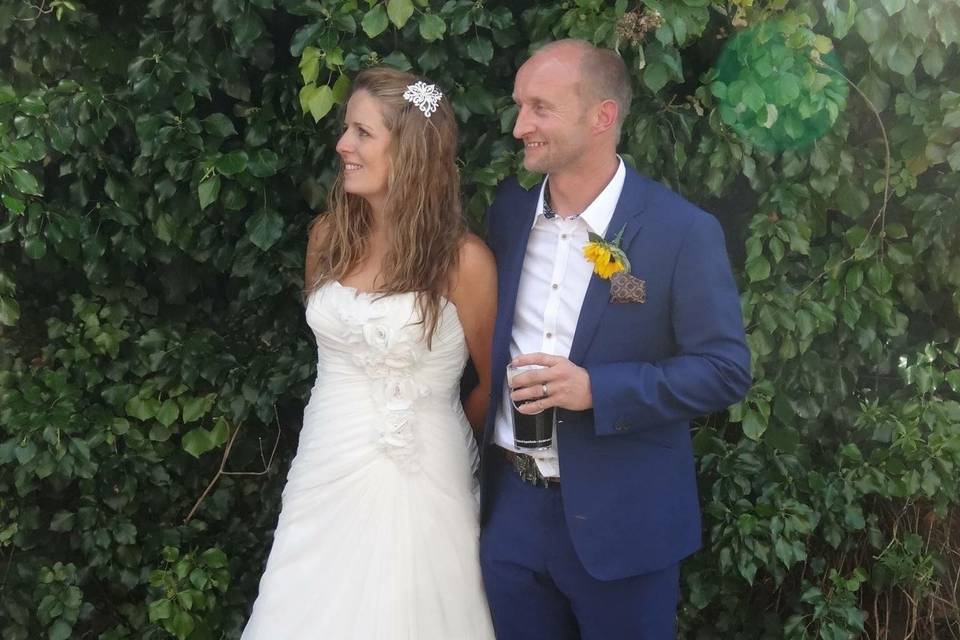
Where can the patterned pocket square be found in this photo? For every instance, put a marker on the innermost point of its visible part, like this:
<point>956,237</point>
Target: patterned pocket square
<point>627,288</point>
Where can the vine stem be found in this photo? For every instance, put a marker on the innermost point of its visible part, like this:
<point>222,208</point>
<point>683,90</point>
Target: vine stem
<point>881,216</point>
<point>221,471</point>
<point>41,9</point>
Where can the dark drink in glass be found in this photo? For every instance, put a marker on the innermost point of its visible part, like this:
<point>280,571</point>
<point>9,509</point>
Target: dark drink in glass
<point>530,432</point>
<point>533,433</point>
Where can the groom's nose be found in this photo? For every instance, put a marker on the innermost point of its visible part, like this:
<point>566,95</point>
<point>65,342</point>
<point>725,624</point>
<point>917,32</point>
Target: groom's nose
<point>522,126</point>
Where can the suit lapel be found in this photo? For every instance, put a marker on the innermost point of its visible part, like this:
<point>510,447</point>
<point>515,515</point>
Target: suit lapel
<point>521,210</point>
<point>517,248</point>
<point>627,215</point>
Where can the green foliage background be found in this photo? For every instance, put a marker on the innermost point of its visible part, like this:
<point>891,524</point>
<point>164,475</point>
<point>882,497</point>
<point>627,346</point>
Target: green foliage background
<point>159,164</point>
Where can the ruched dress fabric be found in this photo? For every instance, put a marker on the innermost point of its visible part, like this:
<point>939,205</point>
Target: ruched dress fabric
<point>378,531</point>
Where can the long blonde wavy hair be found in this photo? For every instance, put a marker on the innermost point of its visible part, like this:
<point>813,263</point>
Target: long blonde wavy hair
<point>423,212</point>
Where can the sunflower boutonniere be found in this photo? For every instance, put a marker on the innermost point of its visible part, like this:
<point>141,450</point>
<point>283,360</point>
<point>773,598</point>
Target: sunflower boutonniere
<point>607,257</point>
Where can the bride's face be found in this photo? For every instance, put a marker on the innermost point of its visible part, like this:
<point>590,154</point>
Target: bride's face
<point>364,149</point>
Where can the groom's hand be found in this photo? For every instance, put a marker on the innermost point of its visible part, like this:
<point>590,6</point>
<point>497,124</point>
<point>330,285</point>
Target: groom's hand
<point>567,385</point>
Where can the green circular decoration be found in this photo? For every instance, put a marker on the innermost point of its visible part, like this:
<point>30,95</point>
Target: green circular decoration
<point>778,84</point>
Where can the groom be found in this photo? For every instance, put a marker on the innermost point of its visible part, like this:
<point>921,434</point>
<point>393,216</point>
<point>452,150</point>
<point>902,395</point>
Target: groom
<point>584,540</point>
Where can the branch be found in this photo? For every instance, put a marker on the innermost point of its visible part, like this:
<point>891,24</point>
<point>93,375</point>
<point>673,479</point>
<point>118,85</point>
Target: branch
<point>221,471</point>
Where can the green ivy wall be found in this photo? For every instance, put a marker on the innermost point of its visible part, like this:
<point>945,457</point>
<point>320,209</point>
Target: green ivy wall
<point>159,164</point>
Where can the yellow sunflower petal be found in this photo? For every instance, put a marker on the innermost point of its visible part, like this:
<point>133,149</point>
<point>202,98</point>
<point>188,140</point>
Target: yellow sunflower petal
<point>608,268</point>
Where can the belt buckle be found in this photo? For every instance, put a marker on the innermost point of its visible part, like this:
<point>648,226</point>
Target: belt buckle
<point>526,468</point>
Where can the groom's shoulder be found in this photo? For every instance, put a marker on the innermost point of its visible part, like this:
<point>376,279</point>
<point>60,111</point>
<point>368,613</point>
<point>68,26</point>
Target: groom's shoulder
<point>510,188</point>
<point>663,203</point>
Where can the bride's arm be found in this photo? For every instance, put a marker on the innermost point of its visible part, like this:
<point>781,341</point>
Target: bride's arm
<point>474,292</point>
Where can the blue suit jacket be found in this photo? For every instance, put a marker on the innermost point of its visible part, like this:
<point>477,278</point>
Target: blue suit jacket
<point>627,468</point>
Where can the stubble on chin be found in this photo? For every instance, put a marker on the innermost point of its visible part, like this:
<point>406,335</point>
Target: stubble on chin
<point>539,165</point>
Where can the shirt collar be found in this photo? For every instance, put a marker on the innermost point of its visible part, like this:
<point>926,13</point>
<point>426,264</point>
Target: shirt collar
<point>598,213</point>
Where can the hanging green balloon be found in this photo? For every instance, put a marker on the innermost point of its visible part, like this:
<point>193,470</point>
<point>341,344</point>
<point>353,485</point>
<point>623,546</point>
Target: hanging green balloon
<point>778,84</point>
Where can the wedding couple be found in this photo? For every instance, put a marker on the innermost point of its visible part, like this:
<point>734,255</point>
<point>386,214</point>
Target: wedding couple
<point>379,536</point>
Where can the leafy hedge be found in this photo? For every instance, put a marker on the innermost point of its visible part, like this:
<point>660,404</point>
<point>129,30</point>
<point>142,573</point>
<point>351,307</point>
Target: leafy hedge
<point>159,163</point>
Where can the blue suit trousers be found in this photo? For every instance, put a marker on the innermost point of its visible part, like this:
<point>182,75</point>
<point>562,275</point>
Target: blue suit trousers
<point>536,585</point>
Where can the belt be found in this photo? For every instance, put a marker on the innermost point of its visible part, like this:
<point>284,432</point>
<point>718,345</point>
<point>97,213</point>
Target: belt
<point>526,469</point>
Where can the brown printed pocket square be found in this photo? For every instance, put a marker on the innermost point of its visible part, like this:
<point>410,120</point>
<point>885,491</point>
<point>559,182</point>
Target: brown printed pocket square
<point>627,288</point>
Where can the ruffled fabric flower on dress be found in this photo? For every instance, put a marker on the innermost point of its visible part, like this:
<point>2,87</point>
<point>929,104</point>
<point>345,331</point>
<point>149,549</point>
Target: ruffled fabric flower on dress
<point>388,355</point>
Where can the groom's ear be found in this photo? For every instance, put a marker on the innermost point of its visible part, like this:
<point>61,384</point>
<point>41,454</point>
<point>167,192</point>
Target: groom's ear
<point>605,117</point>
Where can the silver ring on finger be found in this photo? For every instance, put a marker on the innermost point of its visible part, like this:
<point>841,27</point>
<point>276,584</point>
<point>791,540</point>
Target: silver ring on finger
<point>544,389</point>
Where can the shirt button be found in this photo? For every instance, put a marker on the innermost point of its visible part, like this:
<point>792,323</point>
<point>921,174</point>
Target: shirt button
<point>556,286</point>
<point>549,335</point>
<point>563,236</point>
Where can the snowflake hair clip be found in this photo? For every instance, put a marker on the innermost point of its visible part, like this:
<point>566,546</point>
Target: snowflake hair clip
<point>425,96</point>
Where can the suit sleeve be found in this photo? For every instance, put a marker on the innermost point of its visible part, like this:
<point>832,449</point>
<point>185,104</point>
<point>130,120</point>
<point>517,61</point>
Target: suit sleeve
<point>711,368</point>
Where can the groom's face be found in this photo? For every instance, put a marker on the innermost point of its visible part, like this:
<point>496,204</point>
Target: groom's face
<point>552,121</point>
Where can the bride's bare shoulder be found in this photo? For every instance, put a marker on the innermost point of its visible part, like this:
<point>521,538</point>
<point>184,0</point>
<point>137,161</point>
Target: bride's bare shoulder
<point>475,269</point>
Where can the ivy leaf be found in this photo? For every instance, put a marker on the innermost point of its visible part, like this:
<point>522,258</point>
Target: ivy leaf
<point>901,59</point>
<point>159,610</point>
<point>399,11</point>
<point>197,442</point>
<point>461,21</point>
<point>168,413</point>
<point>398,61</point>
<point>195,407</point>
<point>479,100</point>
<point>787,89</point>
<point>304,36</point>
<point>14,204</point>
<point>753,425</point>
<point>9,311</point>
<point>953,157</point>
<point>309,65</point>
<point>840,20</point>
<point>876,90</point>
<point>320,102</point>
<point>375,21</point>
<point>220,432</point>
<point>263,163</point>
<point>953,379</point>
<point>871,25</point>
<point>758,269</point>
<point>217,124</point>
<point>208,191</point>
<point>933,59</point>
<point>247,28</point>
<point>306,92</point>
<point>432,27</point>
<point>341,88</point>
<point>480,50</point>
<point>655,76</point>
<point>893,6</point>
<point>25,182</point>
<point>141,408</point>
<point>880,278</point>
<point>265,227</point>
<point>214,558</point>
<point>60,630</point>
<point>232,163</point>
<point>753,96</point>
<point>35,247</point>
<point>62,521</point>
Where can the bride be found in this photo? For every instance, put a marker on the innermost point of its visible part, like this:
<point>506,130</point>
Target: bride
<point>378,531</point>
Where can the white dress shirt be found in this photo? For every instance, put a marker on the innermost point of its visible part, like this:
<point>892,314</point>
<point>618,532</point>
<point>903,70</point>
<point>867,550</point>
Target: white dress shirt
<point>553,283</point>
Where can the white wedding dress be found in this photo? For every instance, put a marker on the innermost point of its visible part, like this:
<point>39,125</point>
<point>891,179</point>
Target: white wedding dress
<point>378,532</point>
